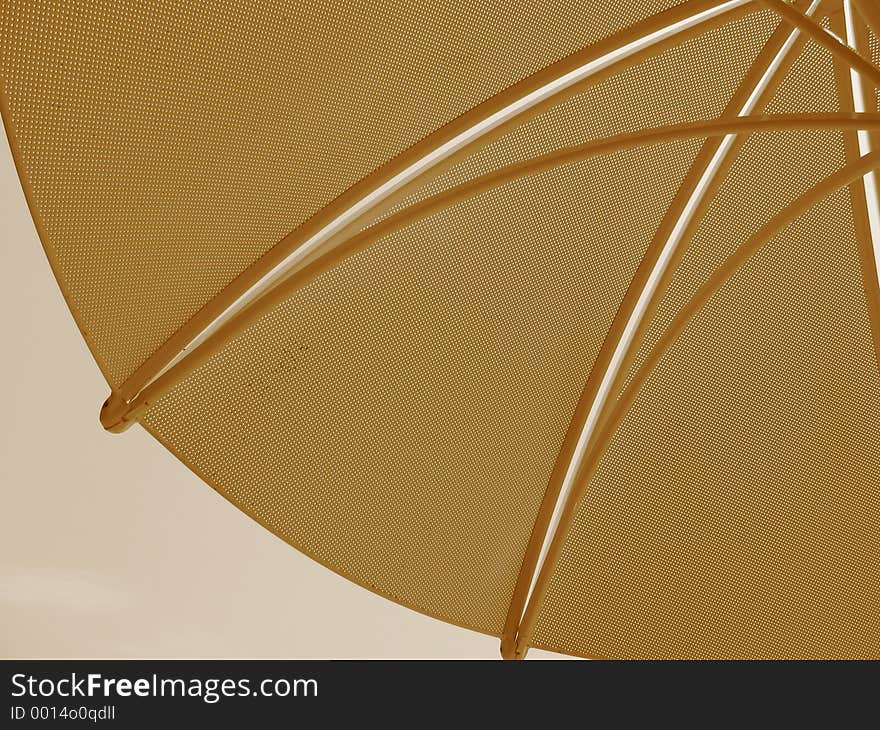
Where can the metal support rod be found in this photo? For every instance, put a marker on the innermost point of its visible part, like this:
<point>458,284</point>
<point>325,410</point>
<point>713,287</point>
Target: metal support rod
<point>390,183</point>
<point>865,233</point>
<point>125,413</point>
<point>825,39</point>
<point>768,69</point>
<point>602,440</point>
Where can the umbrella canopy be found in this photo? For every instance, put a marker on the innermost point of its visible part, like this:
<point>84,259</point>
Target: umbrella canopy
<point>561,324</point>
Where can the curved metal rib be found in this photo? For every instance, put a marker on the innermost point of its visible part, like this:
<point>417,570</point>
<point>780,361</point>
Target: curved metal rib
<point>602,439</point>
<point>852,94</point>
<point>389,183</point>
<point>130,411</point>
<point>840,50</point>
<point>627,328</point>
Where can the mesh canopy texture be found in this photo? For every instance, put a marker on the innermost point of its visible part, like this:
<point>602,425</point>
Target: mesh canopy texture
<point>736,514</point>
<point>482,320</point>
<point>745,524</point>
<point>357,402</point>
<point>398,417</point>
<point>168,145</point>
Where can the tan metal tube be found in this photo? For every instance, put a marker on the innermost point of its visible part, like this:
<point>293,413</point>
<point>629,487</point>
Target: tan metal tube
<point>602,439</point>
<point>251,276</point>
<point>825,39</point>
<point>586,400</point>
<point>116,416</point>
<point>858,193</point>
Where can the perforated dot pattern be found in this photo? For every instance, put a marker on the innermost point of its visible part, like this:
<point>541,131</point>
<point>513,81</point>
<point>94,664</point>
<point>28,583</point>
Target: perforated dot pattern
<point>398,419</point>
<point>404,431</point>
<point>168,145</point>
<point>736,513</point>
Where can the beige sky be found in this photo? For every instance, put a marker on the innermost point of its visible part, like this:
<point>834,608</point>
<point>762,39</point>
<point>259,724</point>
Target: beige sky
<point>98,557</point>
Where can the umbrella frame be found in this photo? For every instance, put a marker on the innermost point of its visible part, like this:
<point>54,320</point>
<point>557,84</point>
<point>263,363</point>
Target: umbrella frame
<point>336,232</point>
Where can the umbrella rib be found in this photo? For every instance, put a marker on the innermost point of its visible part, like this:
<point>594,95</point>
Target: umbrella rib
<point>379,191</point>
<point>825,39</point>
<point>643,294</point>
<point>602,438</point>
<point>864,197</point>
<point>465,191</point>
<point>870,11</point>
<point>275,266</point>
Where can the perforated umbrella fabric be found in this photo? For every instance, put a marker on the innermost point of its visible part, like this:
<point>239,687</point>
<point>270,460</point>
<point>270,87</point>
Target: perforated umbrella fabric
<point>168,145</point>
<point>399,415</point>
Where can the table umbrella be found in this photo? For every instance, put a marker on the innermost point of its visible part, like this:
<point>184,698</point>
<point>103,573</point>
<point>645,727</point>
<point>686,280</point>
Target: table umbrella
<point>558,322</point>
